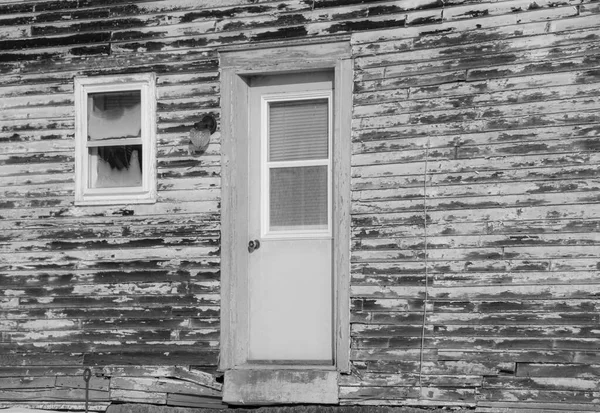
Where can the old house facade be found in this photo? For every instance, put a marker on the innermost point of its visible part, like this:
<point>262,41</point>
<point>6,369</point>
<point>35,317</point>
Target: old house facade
<point>433,240</point>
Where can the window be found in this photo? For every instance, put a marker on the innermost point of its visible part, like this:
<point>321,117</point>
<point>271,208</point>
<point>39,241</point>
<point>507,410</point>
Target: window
<point>115,140</point>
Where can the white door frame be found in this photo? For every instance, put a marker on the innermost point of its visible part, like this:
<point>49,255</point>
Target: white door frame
<point>236,66</point>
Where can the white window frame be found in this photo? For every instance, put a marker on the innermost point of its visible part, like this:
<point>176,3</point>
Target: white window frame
<point>267,165</point>
<point>146,84</point>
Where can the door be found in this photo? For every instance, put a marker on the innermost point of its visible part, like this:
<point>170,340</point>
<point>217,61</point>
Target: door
<point>290,277</point>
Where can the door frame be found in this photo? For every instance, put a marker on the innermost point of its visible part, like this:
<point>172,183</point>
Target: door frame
<point>236,67</point>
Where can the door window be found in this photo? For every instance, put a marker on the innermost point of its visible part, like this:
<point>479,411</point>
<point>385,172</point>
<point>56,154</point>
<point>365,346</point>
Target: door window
<point>297,171</point>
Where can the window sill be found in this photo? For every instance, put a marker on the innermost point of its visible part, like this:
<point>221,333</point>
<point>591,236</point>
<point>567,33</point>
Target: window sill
<point>260,387</point>
<point>102,200</point>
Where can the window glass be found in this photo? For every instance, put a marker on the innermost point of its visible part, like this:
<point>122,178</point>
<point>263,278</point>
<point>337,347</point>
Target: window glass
<point>115,166</point>
<point>298,129</point>
<point>114,115</point>
<point>298,198</point>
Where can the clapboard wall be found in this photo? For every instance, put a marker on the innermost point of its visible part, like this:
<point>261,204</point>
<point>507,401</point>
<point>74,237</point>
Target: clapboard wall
<point>475,190</point>
<point>475,199</point>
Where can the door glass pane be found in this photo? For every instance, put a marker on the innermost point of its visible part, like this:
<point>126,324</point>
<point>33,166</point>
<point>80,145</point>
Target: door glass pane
<point>298,198</point>
<point>299,130</point>
<point>113,115</point>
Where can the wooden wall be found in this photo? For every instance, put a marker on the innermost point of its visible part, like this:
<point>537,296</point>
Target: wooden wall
<point>476,251</point>
<point>476,256</point>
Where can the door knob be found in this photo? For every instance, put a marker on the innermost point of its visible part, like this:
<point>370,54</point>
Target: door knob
<point>253,245</point>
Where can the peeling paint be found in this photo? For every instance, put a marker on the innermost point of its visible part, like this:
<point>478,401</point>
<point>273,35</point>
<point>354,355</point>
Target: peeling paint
<point>474,199</point>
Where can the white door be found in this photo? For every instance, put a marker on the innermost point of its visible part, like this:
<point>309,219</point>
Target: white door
<point>290,220</point>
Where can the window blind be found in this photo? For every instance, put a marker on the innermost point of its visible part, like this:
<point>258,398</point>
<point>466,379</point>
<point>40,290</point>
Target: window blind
<point>299,130</point>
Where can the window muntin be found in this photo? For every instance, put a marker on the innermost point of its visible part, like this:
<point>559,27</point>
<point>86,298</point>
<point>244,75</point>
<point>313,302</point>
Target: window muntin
<point>296,165</point>
<point>115,140</point>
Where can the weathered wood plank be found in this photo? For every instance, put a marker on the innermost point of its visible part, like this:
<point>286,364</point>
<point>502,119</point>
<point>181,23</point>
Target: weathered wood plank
<point>165,355</point>
<point>25,382</point>
<point>52,394</point>
<point>54,405</point>
<point>496,343</point>
<point>204,209</point>
<point>531,407</point>
<point>430,392</point>
<point>542,396</point>
<point>190,228</point>
<point>455,33</point>
<point>556,370</point>
<point>56,280</point>
<point>24,339</point>
<point>78,382</point>
<point>410,379</point>
<point>40,359</point>
<point>534,81</point>
<point>514,308</point>
<point>433,368</point>
<point>521,49</point>
<point>541,383</point>
<point>398,240</point>
<point>490,203</point>
<point>552,321</point>
<point>193,376</point>
<point>549,356</point>
<point>198,263</point>
<point>189,400</point>
<point>40,69</point>
<point>170,322</point>
<point>520,98</point>
<point>137,396</point>
<point>69,301</point>
<point>506,330</point>
<point>40,371</point>
<point>159,385</point>
<point>480,292</point>
<point>150,242</point>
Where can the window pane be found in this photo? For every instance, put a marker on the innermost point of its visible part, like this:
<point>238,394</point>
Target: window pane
<point>299,130</point>
<point>114,115</point>
<point>298,198</point>
<point>115,166</point>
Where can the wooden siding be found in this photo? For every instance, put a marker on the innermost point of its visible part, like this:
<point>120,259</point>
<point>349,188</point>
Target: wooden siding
<point>475,189</point>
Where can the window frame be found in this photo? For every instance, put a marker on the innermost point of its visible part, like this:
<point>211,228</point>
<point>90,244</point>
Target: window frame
<point>247,383</point>
<point>146,193</point>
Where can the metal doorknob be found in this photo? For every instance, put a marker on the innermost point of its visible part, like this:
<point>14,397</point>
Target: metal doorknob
<point>253,245</point>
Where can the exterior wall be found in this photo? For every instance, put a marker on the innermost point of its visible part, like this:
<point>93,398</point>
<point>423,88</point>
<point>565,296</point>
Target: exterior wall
<point>475,254</point>
<point>475,187</point>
